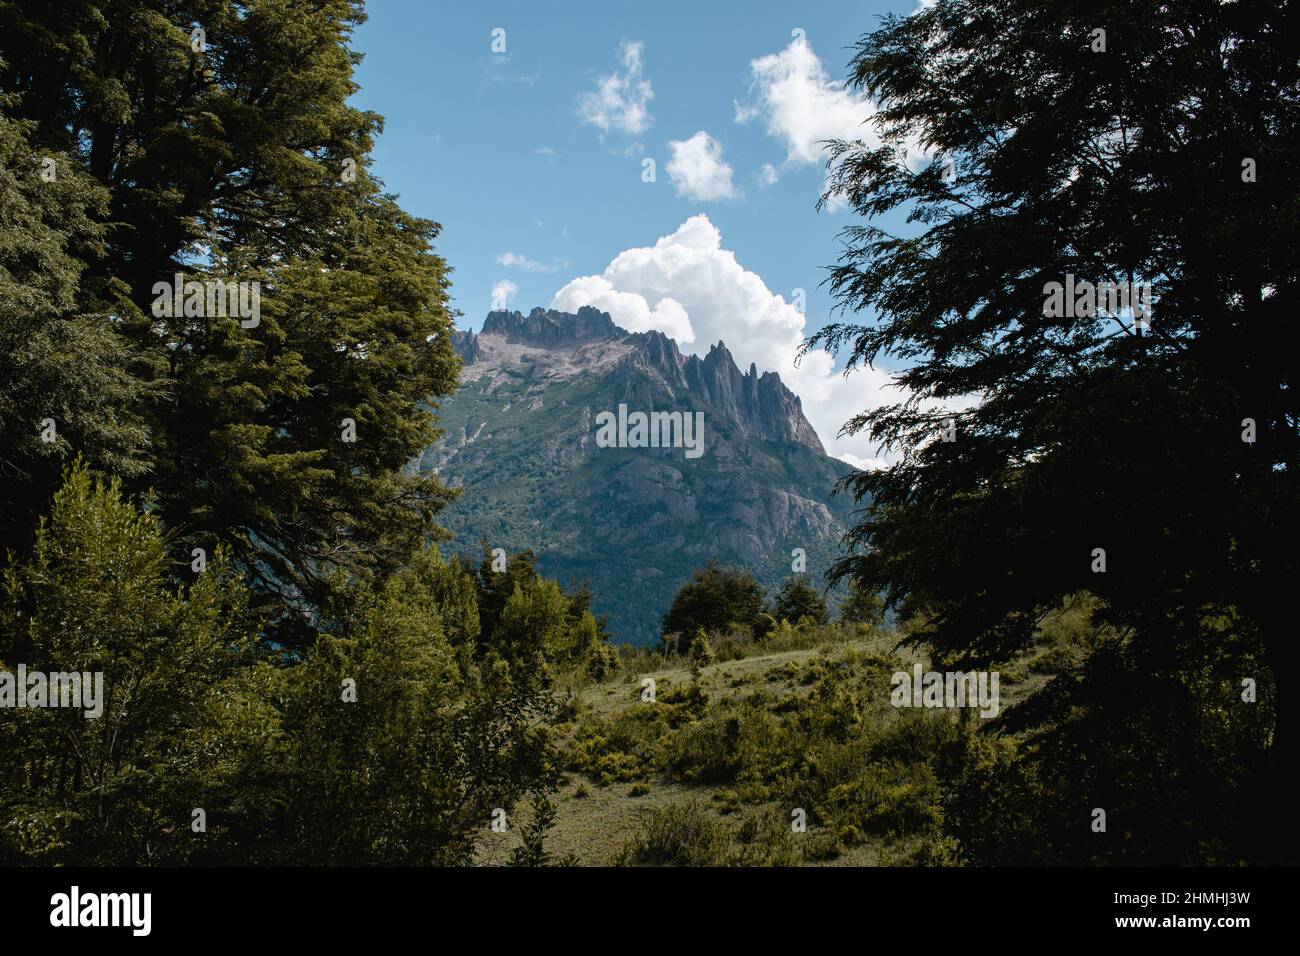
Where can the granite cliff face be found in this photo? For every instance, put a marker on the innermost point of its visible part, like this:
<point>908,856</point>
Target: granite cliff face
<point>521,437</point>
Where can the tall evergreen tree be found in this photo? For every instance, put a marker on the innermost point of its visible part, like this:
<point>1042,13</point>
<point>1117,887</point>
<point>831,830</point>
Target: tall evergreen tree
<point>222,138</point>
<point>406,747</point>
<point>499,576</point>
<point>1156,467</point>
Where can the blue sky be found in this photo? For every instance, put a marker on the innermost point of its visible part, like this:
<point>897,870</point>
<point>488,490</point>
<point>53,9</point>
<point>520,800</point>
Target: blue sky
<point>533,161</point>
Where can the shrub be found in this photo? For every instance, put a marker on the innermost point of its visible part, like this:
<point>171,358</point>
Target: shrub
<point>623,748</point>
<point>700,653</point>
<point>680,834</point>
<point>765,839</point>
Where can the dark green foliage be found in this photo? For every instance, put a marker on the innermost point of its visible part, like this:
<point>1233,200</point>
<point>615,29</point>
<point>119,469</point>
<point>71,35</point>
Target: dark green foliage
<point>393,717</point>
<point>1103,737</point>
<point>96,595</point>
<point>700,652</point>
<point>455,590</point>
<point>527,618</point>
<point>229,162</point>
<point>1123,166</point>
<point>495,587</point>
<point>58,360</point>
<point>386,742</point>
<point>432,744</point>
<point>714,598</point>
<point>798,600</point>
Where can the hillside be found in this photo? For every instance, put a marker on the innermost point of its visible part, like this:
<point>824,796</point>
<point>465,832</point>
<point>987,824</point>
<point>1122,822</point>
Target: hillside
<point>711,771</point>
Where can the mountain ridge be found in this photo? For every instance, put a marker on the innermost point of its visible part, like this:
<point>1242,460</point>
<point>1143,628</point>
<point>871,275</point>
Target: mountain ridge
<point>520,436</point>
<point>761,400</point>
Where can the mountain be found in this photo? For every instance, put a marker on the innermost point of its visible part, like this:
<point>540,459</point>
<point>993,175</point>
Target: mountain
<point>549,461</point>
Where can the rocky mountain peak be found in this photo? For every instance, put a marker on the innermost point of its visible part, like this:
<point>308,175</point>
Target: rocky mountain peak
<point>753,403</point>
<point>521,435</point>
<point>547,328</point>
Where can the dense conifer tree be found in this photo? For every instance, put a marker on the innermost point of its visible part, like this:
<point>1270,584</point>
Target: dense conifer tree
<point>1155,465</point>
<point>714,598</point>
<point>797,600</point>
<point>215,142</point>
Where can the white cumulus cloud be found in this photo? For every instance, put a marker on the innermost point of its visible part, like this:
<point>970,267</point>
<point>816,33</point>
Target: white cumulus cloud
<point>621,99</point>
<point>801,107</point>
<point>697,171</point>
<point>692,289</point>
